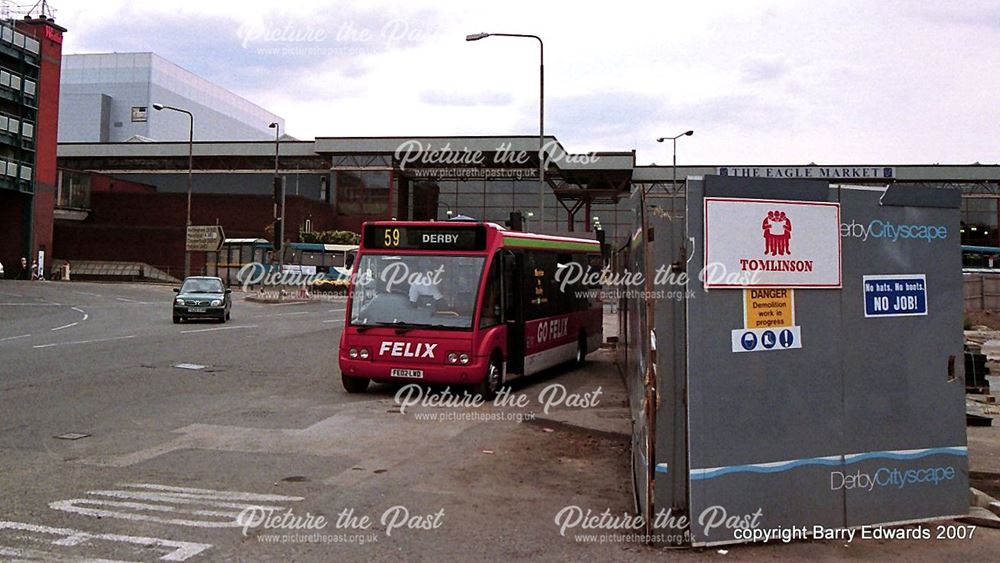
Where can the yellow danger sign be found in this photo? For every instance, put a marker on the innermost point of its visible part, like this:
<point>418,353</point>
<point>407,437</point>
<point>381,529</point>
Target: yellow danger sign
<point>768,308</point>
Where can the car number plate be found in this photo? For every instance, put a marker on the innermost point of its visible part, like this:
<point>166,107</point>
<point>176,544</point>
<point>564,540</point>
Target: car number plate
<point>411,373</point>
<point>196,309</point>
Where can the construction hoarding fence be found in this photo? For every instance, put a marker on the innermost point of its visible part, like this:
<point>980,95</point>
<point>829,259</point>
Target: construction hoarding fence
<point>808,375</point>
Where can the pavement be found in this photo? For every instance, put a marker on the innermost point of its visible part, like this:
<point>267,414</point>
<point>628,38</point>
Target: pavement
<point>108,450</point>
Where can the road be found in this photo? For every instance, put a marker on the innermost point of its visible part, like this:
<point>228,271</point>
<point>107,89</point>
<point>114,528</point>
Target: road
<point>110,451</point>
<point>172,455</point>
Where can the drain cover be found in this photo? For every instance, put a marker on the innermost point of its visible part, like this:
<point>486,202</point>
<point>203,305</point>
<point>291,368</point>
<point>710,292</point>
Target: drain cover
<point>190,366</point>
<point>71,436</point>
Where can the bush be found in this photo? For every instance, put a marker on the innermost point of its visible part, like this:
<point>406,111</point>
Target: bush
<point>330,237</point>
<point>330,286</point>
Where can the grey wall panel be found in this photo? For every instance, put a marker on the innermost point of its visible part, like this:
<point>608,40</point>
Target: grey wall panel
<point>862,424</point>
<point>748,409</point>
<point>901,409</point>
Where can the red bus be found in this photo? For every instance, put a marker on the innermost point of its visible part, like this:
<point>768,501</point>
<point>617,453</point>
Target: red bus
<point>467,303</point>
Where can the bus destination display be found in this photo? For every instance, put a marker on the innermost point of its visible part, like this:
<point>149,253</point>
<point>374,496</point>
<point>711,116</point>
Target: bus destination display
<point>425,238</point>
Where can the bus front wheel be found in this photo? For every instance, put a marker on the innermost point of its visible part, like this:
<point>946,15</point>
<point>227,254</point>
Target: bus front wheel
<point>354,384</point>
<point>581,350</point>
<point>490,385</point>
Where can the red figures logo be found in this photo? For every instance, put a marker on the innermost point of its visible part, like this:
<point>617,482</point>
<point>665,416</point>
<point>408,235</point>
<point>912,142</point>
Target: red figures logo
<point>777,229</point>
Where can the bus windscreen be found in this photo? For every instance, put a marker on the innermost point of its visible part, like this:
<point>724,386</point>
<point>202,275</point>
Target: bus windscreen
<point>409,290</point>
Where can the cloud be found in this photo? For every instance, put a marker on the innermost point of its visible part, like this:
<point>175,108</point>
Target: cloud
<point>760,68</point>
<point>269,48</point>
<point>451,98</point>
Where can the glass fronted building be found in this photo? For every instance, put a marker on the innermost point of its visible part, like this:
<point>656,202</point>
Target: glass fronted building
<point>108,97</point>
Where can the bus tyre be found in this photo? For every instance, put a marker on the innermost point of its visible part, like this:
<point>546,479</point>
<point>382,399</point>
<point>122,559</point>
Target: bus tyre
<point>581,350</point>
<point>490,385</point>
<point>354,384</point>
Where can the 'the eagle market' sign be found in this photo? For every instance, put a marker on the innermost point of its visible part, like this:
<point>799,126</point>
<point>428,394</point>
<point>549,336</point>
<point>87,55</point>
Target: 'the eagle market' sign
<point>819,172</point>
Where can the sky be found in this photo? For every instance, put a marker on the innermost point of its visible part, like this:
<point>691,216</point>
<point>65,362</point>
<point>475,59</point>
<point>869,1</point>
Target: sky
<point>760,82</point>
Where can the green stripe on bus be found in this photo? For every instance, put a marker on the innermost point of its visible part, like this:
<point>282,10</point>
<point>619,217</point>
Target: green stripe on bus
<point>553,244</point>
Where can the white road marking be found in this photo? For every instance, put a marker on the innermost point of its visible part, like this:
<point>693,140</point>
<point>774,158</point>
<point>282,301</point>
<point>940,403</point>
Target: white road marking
<point>334,310</point>
<point>65,326</point>
<point>126,300</point>
<point>333,321</point>
<point>173,505</point>
<point>217,328</point>
<point>213,493</point>
<point>84,341</point>
<point>30,304</point>
<point>179,550</point>
<point>87,293</point>
<point>84,313</point>
<point>14,337</point>
<point>282,314</point>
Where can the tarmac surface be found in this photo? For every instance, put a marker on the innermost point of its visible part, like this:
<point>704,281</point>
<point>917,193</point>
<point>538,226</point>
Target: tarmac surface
<point>108,450</point>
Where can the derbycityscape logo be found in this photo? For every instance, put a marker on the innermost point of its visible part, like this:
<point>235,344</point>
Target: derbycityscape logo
<point>879,229</point>
<point>890,477</point>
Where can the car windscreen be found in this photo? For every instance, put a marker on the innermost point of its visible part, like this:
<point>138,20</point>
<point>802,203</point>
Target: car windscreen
<point>425,291</point>
<point>201,286</point>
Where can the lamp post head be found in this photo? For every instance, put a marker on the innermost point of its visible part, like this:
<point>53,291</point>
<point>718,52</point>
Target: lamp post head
<point>689,133</point>
<point>476,36</point>
<point>158,107</point>
<point>660,139</point>
<point>273,125</point>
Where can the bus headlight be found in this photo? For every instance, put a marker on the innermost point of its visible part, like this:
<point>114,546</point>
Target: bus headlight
<point>463,358</point>
<point>452,358</point>
<point>353,352</point>
<point>216,302</point>
<point>363,353</point>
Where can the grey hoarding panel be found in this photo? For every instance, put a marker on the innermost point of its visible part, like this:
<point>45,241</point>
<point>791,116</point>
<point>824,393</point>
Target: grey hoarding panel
<point>759,421</point>
<point>921,196</point>
<point>671,490</point>
<point>791,437</point>
<point>904,419</point>
<point>727,186</point>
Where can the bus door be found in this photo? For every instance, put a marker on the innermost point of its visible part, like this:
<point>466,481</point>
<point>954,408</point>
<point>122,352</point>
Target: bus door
<point>513,266</point>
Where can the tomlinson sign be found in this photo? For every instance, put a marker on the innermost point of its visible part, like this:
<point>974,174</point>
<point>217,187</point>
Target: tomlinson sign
<point>772,243</point>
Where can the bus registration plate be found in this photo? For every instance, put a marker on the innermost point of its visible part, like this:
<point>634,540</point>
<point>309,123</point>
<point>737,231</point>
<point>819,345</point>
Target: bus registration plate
<point>411,373</point>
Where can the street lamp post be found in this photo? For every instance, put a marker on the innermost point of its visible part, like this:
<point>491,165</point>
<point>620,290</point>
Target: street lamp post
<point>161,107</point>
<point>674,167</point>
<point>280,235</point>
<point>541,113</point>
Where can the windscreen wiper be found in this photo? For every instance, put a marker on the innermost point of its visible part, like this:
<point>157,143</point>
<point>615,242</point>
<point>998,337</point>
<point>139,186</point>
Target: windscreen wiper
<point>400,326</point>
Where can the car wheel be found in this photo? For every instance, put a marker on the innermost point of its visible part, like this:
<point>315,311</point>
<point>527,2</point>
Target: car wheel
<point>491,384</point>
<point>354,384</point>
<point>177,320</point>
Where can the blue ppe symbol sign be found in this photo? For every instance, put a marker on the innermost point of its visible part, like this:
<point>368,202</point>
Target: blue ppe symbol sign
<point>766,339</point>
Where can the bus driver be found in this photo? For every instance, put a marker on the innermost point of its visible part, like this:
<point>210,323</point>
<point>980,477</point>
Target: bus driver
<point>426,285</point>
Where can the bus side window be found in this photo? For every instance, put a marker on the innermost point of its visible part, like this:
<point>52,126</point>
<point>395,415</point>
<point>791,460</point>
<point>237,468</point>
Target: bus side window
<point>510,281</point>
<point>490,311</point>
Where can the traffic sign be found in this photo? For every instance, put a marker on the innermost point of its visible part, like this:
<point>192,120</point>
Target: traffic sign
<point>204,238</point>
